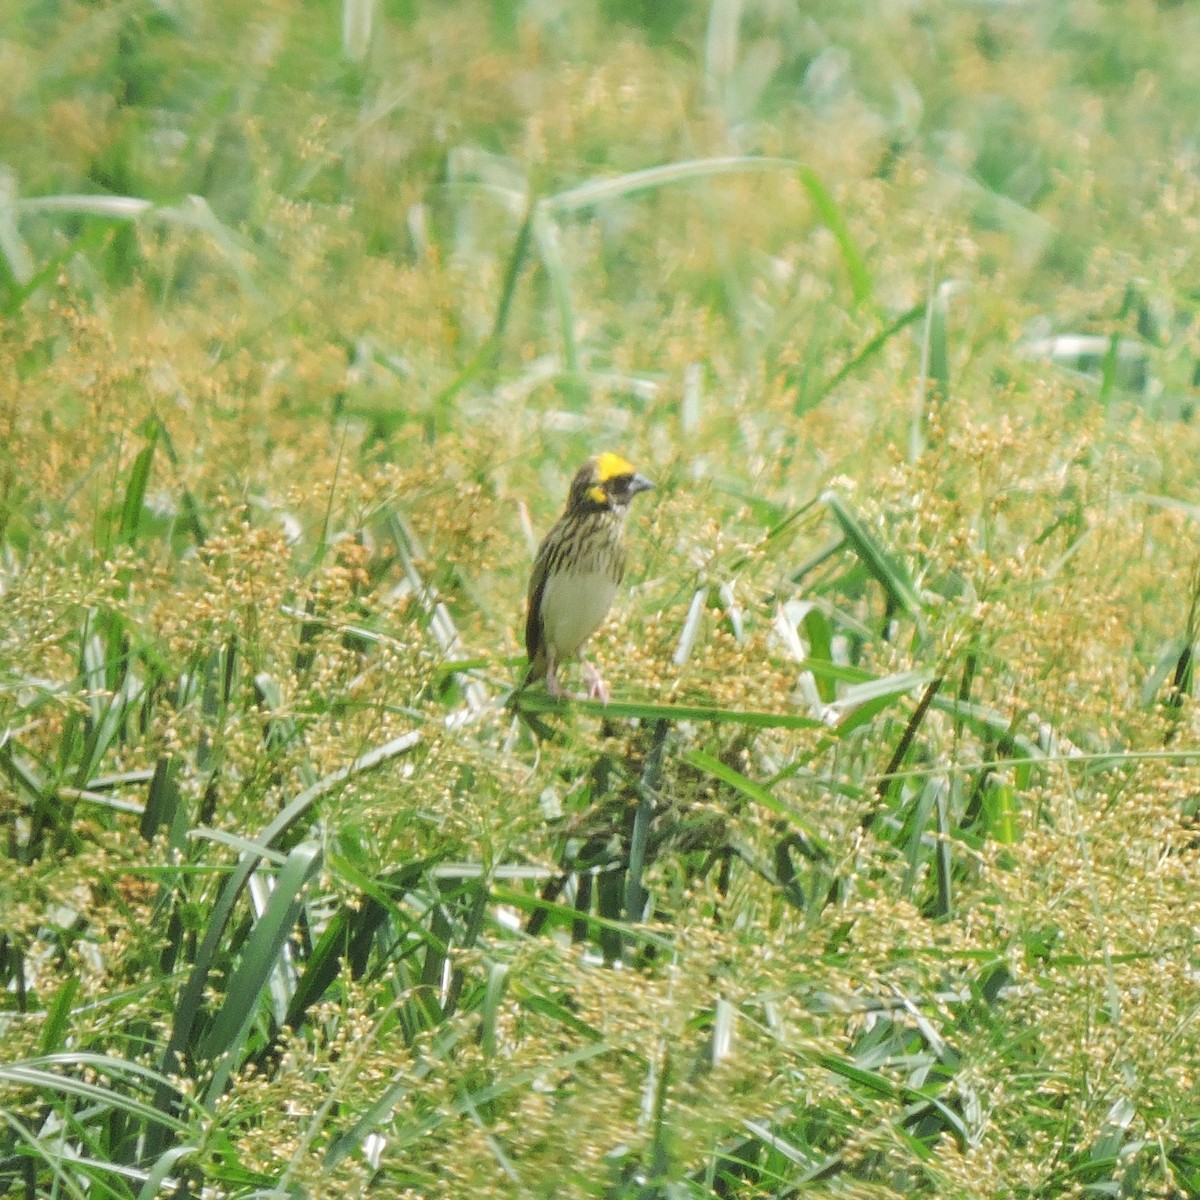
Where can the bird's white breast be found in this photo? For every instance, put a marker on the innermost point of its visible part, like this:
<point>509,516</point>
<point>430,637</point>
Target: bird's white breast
<point>572,608</point>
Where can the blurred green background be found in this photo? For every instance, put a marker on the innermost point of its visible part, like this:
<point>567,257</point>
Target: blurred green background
<point>877,877</point>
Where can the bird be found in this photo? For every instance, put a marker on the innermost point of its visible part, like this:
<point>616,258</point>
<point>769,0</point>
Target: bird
<point>577,570</point>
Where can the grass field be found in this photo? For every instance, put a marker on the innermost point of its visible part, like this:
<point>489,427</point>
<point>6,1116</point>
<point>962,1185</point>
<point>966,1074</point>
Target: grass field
<point>878,876</point>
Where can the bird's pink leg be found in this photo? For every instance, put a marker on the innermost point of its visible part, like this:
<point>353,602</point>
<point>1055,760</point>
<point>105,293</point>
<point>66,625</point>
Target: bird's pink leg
<point>597,688</point>
<point>552,684</point>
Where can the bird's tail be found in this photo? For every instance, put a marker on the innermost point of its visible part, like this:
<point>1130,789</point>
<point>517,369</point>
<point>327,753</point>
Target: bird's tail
<point>535,670</point>
<point>531,673</point>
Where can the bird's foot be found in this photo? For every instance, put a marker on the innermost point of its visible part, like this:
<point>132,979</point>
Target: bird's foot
<point>552,684</point>
<point>597,688</point>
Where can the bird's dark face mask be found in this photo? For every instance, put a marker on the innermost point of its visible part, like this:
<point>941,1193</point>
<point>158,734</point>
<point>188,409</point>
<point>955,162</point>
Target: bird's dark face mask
<point>608,481</point>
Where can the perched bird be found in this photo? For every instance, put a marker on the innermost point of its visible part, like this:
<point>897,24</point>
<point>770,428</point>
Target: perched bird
<point>577,569</point>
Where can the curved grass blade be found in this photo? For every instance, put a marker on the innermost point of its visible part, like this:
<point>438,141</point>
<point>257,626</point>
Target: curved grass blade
<point>882,566</point>
<point>756,793</point>
<point>188,1008</point>
<point>595,924</point>
<point>883,1087</point>
<point>135,490</point>
<point>601,191</point>
<point>597,192</point>
<point>986,722</point>
<point>29,1148</point>
<point>862,355</point>
<point>351,931</point>
<point>193,214</point>
<point>862,702</point>
<point>831,216</point>
<point>46,1075</point>
<point>260,959</point>
<point>691,627</point>
<point>157,1175</point>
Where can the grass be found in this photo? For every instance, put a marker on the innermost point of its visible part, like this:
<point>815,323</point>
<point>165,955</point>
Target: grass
<point>876,878</point>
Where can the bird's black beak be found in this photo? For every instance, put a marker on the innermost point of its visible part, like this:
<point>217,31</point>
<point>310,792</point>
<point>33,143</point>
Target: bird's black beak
<point>639,483</point>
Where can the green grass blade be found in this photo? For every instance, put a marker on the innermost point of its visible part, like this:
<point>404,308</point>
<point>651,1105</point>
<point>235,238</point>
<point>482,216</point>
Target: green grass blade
<point>30,1148</point>
<point>944,904</point>
<point>162,798</point>
<point>880,1085</point>
<point>260,956</point>
<point>595,924</point>
<point>888,784</point>
<point>540,702</point>
<point>636,894</point>
<point>188,1006</point>
<point>831,216</point>
<point>157,1175</point>
<point>487,354</point>
<point>260,959</point>
<point>916,831</point>
<point>754,792</point>
<point>21,770</point>
<point>1001,813</point>
<point>351,931</point>
<point>106,732</point>
<point>863,702</point>
<point>937,352</point>
<point>512,275</point>
<point>603,191</point>
<point>990,724</point>
<point>489,1009</point>
<point>13,298</point>
<point>135,493</point>
<point>882,566</point>
<point>864,354</point>
<point>546,234</point>
<point>49,1075</point>
<point>58,1017</point>
<point>379,1111</point>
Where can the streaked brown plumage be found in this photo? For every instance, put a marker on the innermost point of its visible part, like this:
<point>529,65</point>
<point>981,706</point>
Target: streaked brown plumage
<point>577,569</point>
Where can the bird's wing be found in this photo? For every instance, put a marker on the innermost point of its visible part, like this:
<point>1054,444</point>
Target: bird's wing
<point>533,615</point>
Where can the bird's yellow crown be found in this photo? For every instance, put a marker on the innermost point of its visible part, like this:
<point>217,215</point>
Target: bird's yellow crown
<point>608,466</point>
